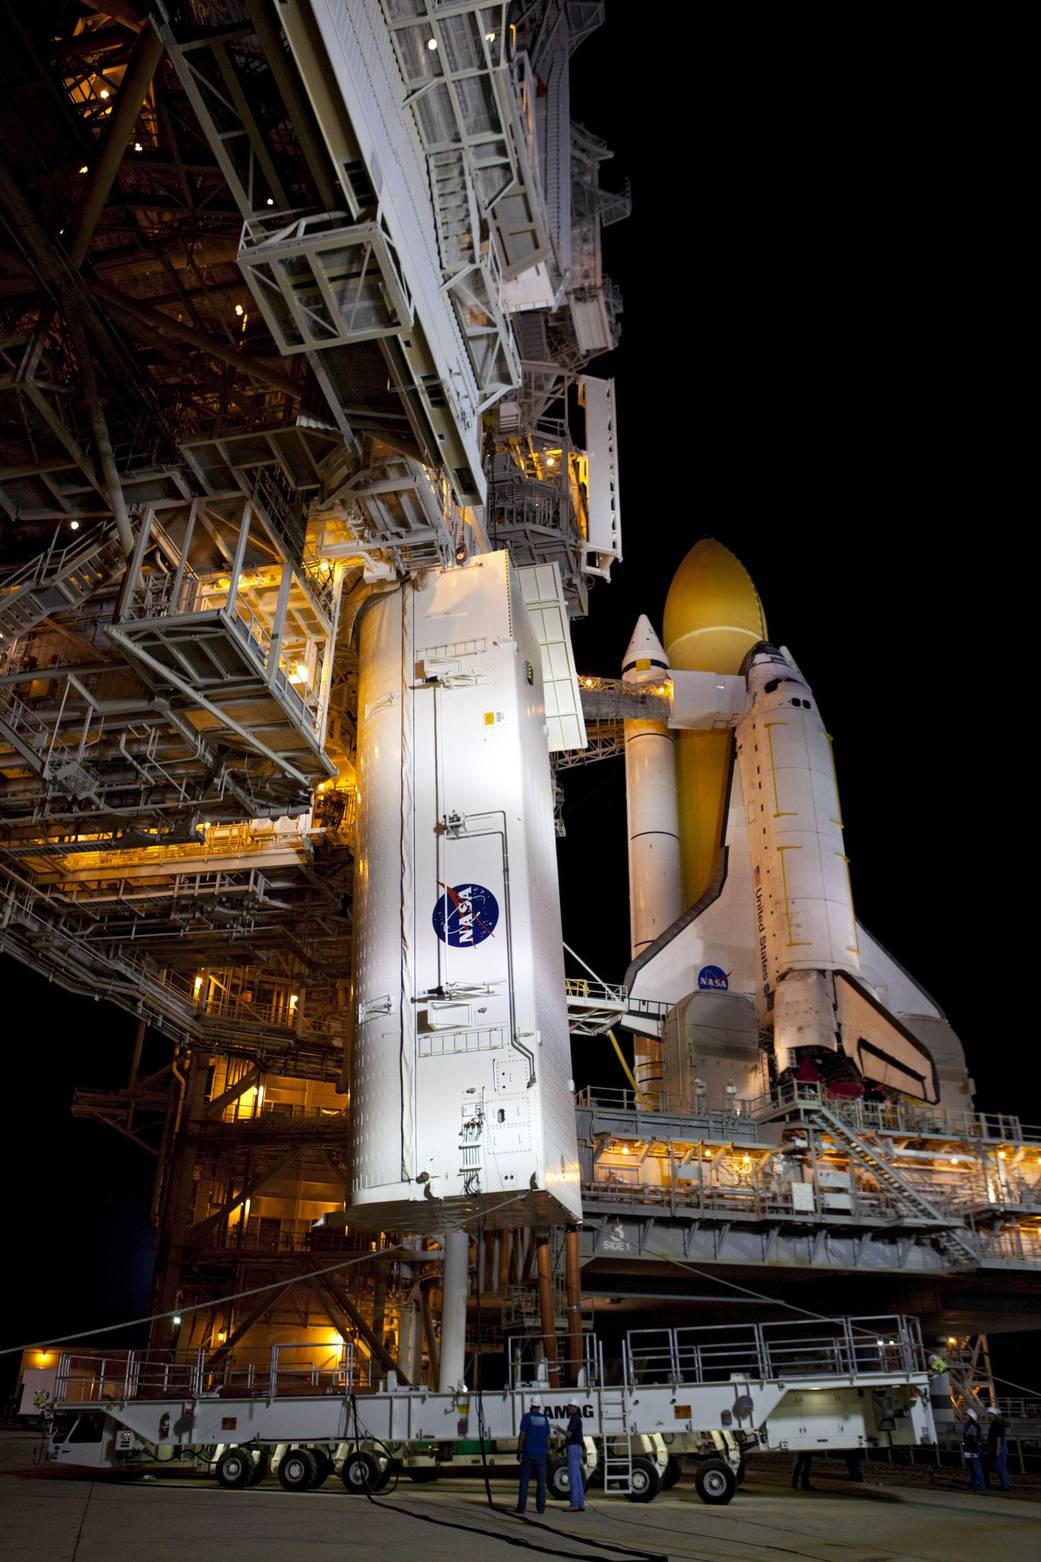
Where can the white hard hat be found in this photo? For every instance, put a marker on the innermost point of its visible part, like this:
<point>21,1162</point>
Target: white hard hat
<point>974,1415</point>
<point>992,1410</point>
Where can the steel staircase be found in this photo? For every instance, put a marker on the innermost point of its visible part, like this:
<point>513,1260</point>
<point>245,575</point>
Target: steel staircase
<point>57,579</point>
<point>23,731</point>
<point>455,211</point>
<point>868,1156</point>
<point>616,1442</point>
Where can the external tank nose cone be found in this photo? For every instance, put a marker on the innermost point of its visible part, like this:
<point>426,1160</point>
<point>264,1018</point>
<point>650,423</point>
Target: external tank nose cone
<point>713,615</point>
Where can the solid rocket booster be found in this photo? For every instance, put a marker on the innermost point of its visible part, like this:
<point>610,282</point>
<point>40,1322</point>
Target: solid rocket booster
<point>655,873</point>
<point>460,1082</point>
<point>713,618</point>
<point>652,813</point>
<point>805,923</point>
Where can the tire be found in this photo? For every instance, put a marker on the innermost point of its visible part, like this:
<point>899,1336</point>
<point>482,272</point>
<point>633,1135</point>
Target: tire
<point>298,1470</point>
<point>261,1464</point>
<point>559,1483</point>
<point>646,1482</point>
<point>383,1478</point>
<point>715,1482</point>
<point>323,1468</point>
<point>233,1469</point>
<point>673,1471</point>
<point>359,1474</point>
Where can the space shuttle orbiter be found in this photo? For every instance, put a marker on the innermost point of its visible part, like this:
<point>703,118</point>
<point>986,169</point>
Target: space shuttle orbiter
<point>768,951</point>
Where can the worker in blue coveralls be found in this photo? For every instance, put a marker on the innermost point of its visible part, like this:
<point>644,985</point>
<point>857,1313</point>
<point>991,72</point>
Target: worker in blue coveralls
<point>533,1451</point>
<point>575,1442</point>
<point>972,1450</point>
<point>996,1431</point>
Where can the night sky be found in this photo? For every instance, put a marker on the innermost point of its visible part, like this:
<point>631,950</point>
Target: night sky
<point>806,374</point>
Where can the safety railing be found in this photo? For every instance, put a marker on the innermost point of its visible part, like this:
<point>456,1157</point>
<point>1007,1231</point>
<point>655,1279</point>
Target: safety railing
<point>612,1098</point>
<point>290,1368</point>
<point>554,1360</point>
<point>897,1116</point>
<point>54,562</point>
<point>581,989</point>
<point>1020,1409</point>
<point>720,1353</point>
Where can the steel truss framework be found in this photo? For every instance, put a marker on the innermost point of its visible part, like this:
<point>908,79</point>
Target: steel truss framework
<point>239,393</point>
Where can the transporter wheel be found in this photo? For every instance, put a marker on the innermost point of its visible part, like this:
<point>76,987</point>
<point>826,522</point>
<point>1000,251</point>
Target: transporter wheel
<point>384,1476</point>
<point>261,1462</point>
<point>646,1482</point>
<point>560,1483</point>
<point>360,1474</point>
<point>715,1482</point>
<point>233,1469</point>
<point>298,1469</point>
<point>323,1468</point>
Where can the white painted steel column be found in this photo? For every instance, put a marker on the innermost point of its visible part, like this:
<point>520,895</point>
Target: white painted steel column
<point>455,1289</point>
<point>409,1336</point>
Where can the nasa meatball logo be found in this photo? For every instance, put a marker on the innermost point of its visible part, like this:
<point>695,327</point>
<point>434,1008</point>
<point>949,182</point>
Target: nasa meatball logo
<point>712,979</point>
<point>465,915</point>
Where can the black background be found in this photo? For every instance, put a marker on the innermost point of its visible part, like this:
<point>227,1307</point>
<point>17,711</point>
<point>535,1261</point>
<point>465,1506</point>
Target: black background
<point>821,291</point>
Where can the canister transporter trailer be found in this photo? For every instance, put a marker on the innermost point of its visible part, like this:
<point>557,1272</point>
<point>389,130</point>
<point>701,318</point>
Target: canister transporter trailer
<point>709,1393</point>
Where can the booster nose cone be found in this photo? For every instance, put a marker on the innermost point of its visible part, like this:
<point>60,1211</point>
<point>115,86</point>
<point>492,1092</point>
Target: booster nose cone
<point>644,660</point>
<point>713,615</point>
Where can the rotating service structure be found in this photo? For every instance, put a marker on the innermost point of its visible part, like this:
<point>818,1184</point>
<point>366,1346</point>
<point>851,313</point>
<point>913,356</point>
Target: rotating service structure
<point>461,1088</point>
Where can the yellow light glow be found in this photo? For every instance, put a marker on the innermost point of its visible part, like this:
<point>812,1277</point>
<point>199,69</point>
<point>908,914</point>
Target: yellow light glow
<point>138,147</point>
<point>625,1149</point>
<point>83,170</point>
<point>746,1160</point>
<point>42,1357</point>
<point>952,1339</point>
<point>74,526</point>
<point>432,45</point>
<point>198,986</point>
<point>104,93</point>
<point>239,310</point>
<point>1001,1155</point>
<point>222,1335</point>
<point>551,460</point>
<point>954,1160</point>
<point>708,1155</point>
<point>299,673</point>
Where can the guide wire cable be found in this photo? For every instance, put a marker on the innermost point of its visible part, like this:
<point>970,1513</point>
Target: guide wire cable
<point>217,1301</point>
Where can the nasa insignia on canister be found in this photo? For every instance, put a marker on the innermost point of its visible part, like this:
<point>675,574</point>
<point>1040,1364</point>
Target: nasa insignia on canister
<point>465,915</point>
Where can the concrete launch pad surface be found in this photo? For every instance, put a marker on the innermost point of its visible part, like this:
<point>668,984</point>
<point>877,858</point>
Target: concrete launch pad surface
<point>45,1517</point>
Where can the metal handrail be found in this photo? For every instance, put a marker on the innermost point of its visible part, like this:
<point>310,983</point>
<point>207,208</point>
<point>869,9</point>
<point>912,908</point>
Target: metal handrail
<point>53,562</point>
<point>829,1347</point>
